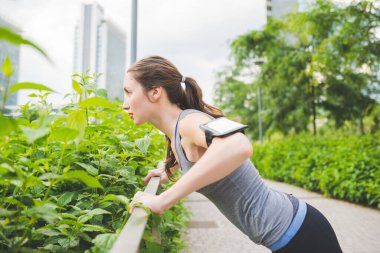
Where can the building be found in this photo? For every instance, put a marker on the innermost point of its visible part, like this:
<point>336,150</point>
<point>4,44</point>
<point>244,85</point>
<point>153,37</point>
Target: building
<point>100,47</point>
<point>13,51</point>
<point>280,8</point>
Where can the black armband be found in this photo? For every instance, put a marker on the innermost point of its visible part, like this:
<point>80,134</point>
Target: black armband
<point>221,127</point>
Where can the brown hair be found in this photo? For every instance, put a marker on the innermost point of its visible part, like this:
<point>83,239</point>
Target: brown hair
<point>155,71</point>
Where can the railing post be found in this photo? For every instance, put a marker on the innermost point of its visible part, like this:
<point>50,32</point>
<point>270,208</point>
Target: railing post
<point>130,237</point>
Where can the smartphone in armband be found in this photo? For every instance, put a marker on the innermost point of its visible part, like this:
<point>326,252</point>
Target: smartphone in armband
<point>221,127</point>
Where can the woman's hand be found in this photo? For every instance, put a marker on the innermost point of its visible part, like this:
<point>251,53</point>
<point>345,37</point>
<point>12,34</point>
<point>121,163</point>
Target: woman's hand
<point>154,202</point>
<point>157,173</point>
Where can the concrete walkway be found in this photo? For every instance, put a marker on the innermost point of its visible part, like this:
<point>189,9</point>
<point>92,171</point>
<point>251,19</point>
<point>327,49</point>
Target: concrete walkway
<point>357,227</point>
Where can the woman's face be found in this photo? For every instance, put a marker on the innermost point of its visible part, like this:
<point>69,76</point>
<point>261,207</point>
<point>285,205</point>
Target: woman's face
<point>136,102</point>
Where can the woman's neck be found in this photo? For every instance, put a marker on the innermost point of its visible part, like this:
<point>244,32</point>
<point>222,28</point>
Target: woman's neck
<point>165,120</point>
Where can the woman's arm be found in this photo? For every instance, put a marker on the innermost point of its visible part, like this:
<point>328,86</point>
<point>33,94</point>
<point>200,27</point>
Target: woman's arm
<point>222,157</point>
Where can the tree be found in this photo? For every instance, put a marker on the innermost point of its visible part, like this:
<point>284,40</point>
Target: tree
<point>237,99</point>
<point>349,62</point>
<point>321,61</point>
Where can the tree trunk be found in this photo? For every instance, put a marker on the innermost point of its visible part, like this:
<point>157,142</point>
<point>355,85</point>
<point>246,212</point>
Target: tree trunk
<point>314,110</point>
<point>361,125</point>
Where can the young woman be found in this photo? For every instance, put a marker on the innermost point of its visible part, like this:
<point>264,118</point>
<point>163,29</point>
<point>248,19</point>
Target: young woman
<point>155,93</point>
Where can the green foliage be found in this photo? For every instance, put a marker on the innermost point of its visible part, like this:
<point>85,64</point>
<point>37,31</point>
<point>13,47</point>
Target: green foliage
<point>321,63</point>
<point>8,35</point>
<point>7,67</point>
<point>341,166</point>
<point>28,85</point>
<point>7,125</point>
<point>238,104</point>
<point>95,101</point>
<point>66,178</point>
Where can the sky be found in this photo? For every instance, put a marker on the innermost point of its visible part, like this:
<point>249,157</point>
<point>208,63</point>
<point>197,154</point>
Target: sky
<point>193,34</point>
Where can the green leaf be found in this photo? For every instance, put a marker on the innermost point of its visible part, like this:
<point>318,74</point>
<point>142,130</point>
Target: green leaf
<point>94,228</point>
<point>52,247</point>
<point>96,101</point>
<point>69,242</point>
<point>120,198</point>
<point>46,212</point>
<point>84,218</point>
<point>14,38</point>
<point>7,125</point>
<point>6,213</point>
<point>5,168</point>
<point>81,175</point>
<point>68,216</point>
<point>105,204</point>
<point>29,86</point>
<point>89,168</point>
<point>104,241</point>
<point>97,211</point>
<point>138,204</point>
<point>66,198</point>
<point>47,231</point>
<point>76,87</point>
<point>32,181</point>
<point>77,120</point>
<point>102,93</point>
<point>14,201</point>
<point>72,223</point>
<point>7,67</point>
<point>65,134</point>
<point>34,134</point>
<point>50,176</point>
<point>154,247</point>
<point>143,143</point>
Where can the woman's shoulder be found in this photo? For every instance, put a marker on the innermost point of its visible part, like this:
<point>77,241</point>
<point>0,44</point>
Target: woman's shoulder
<point>193,119</point>
<point>194,113</point>
<point>189,126</point>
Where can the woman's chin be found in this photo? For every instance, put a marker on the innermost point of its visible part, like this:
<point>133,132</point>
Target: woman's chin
<point>137,122</point>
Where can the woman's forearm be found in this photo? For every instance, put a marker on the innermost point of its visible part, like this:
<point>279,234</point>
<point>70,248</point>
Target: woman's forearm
<point>222,157</point>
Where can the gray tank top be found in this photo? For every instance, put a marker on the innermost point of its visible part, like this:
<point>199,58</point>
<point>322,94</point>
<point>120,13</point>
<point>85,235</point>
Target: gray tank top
<point>262,213</point>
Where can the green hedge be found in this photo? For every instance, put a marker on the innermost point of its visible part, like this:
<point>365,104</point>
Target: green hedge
<point>340,166</point>
<point>66,179</point>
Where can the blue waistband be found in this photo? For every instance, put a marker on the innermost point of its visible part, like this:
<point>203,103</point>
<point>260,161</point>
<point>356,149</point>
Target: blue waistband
<point>293,227</point>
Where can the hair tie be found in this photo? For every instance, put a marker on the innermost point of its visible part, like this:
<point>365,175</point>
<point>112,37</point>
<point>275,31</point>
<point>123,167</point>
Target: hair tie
<point>183,84</point>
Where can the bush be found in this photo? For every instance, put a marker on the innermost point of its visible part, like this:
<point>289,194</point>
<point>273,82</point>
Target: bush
<point>67,177</point>
<point>340,166</point>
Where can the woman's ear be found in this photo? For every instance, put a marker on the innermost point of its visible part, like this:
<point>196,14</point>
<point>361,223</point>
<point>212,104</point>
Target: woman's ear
<point>155,93</point>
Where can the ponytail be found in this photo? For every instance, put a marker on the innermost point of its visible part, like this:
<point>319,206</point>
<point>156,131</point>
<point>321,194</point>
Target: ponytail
<point>193,94</point>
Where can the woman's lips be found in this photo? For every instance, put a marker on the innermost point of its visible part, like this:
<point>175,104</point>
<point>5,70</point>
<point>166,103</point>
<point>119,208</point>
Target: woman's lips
<point>131,115</point>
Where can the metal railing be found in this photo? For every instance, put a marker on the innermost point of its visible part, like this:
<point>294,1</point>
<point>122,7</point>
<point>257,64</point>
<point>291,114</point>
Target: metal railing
<point>130,236</point>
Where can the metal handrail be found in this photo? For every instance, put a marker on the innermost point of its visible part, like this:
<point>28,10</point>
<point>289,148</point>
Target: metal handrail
<point>130,236</point>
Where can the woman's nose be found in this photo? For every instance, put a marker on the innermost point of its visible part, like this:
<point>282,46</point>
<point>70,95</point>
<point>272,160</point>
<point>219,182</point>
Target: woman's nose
<point>125,106</point>
<point>125,103</point>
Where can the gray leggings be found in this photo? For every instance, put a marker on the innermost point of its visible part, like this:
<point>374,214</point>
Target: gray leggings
<point>314,236</point>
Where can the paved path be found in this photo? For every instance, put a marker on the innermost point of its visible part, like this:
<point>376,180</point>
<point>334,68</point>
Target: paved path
<point>357,227</point>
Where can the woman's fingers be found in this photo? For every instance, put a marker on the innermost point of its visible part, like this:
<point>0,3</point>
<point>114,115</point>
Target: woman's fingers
<point>148,176</point>
<point>135,200</point>
<point>137,196</point>
<point>152,173</point>
<point>163,178</point>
